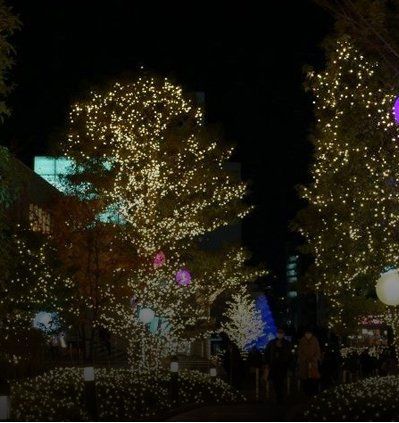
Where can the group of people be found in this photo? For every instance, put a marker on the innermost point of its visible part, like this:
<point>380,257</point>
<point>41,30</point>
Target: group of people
<point>278,359</point>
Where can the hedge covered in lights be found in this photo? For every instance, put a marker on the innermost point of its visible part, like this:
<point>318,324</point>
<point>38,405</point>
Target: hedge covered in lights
<point>122,394</point>
<point>372,399</point>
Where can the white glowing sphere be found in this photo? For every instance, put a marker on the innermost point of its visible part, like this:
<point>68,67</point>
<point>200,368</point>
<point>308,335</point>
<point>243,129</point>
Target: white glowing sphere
<point>387,287</point>
<point>146,315</point>
<point>46,321</point>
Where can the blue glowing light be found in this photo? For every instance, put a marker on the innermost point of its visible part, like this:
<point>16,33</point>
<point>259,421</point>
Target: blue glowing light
<point>270,330</point>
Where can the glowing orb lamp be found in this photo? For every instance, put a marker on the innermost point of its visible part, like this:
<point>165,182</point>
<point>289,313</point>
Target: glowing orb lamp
<point>396,110</point>
<point>387,287</point>
<point>146,315</point>
<point>159,259</point>
<point>46,321</point>
<point>183,277</point>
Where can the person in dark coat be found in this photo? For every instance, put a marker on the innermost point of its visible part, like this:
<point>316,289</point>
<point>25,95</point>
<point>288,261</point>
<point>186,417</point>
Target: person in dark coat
<point>278,357</point>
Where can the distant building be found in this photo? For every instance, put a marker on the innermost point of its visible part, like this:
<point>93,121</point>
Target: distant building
<point>302,306</point>
<point>34,197</point>
<point>292,275</point>
<point>53,170</point>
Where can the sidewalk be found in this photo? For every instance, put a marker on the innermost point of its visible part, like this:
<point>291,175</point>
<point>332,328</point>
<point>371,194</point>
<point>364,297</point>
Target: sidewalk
<point>236,412</point>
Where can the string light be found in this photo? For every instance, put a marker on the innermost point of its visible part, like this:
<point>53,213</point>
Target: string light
<point>352,218</point>
<point>122,394</point>
<point>244,324</point>
<point>372,399</point>
<point>142,150</point>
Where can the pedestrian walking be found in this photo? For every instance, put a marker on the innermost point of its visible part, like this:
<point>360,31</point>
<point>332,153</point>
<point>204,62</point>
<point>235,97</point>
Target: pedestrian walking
<point>277,360</point>
<point>308,361</point>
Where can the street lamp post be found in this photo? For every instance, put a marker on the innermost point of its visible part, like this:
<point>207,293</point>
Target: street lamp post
<point>174,380</point>
<point>90,392</point>
<point>5,408</point>
<point>146,315</point>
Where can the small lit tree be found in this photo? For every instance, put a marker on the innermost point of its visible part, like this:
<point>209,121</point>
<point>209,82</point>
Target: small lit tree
<point>32,286</point>
<point>244,324</point>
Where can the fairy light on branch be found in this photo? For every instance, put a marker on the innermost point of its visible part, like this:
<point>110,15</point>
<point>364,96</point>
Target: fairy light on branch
<point>352,217</point>
<point>142,149</point>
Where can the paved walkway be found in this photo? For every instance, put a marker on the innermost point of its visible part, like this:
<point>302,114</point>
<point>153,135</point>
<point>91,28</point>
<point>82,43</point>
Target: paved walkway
<point>255,412</point>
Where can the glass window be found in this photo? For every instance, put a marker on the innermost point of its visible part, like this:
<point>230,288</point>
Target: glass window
<point>39,219</point>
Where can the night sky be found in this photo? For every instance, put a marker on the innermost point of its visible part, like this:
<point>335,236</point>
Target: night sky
<point>248,61</point>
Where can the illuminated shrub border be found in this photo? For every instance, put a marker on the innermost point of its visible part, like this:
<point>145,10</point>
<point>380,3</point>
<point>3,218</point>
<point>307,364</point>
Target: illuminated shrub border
<point>372,399</point>
<point>122,394</point>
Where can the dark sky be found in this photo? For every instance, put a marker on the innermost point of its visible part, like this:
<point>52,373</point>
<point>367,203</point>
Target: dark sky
<point>246,58</point>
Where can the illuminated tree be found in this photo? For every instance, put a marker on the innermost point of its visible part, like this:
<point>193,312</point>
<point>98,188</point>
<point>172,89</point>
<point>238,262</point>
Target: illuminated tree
<point>351,221</point>
<point>7,196</point>
<point>141,149</point>
<point>9,23</point>
<point>244,324</point>
<point>29,283</point>
<point>31,287</point>
<point>373,26</point>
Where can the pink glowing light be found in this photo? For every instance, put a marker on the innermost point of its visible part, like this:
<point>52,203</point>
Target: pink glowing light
<point>183,277</point>
<point>159,259</point>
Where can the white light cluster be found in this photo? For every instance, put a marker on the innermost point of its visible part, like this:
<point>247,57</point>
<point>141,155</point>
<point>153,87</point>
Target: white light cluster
<point>33,287</point>
<point>122,394</point>
<point>372,399</point>
<point>244,324</point>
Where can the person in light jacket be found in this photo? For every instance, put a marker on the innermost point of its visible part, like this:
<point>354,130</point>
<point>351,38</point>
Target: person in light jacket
<point>308,361</point>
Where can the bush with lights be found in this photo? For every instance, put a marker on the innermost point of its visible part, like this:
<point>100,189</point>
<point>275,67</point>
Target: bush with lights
<point>372,399</point>
<point>121,394</point>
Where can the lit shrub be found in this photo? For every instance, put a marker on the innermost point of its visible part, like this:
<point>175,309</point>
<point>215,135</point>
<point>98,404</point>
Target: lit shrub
<point>372,399</point>
<point>122,394</point>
